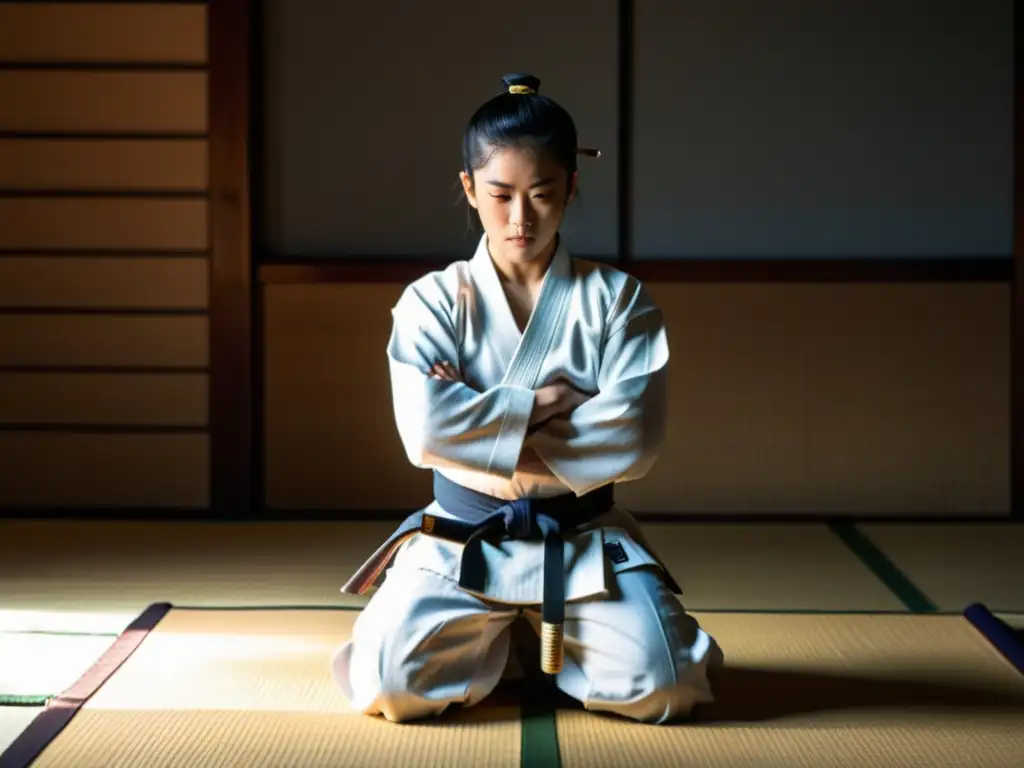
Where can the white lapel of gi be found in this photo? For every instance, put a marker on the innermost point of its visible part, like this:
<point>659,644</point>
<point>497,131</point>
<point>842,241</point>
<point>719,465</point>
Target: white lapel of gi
<point>523,353</point>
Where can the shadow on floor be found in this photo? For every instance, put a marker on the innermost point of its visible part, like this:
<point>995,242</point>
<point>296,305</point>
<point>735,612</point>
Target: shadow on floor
<point>756,695</point>
<point>751,695</point>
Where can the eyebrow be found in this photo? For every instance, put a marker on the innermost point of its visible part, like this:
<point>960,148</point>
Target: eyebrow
<point>503,185</point>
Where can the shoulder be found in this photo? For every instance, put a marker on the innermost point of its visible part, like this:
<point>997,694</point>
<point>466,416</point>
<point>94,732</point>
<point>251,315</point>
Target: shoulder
<point>618,293</point>
<point>437,290</point>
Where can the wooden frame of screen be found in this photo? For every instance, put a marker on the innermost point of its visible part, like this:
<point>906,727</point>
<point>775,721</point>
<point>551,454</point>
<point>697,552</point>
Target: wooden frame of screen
<point>241,268</point>
<point>233,46</point>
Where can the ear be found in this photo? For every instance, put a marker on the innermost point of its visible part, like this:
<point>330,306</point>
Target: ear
<point>467,187</point>
<point>574,181</point>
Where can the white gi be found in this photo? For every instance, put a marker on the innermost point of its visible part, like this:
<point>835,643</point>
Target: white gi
<point>423,642</point>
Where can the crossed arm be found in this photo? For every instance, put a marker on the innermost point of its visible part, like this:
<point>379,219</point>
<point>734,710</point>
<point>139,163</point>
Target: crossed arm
<point>585,440</point>
<point>556,400</point>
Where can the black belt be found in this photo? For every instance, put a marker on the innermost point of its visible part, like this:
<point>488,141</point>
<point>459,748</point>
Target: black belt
<point>480,518</point>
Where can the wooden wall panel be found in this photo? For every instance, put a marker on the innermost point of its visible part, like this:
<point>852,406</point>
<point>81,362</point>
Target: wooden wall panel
<point>72,100</point>
<point>330,429</point>
<point>103,340</point>
<point>105,164</point>
<point>100,32</point>
<point>104,283</point>
<point>124,399</point>
<point>870,399</point>
<point>866,399</point>
<point>102,224</point>
<point>104,266</point>
<point>81,470</point>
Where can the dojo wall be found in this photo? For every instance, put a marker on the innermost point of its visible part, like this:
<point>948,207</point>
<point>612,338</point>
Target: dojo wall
<point>794,129</point>
<point>888,399</point>
<point>785,398</point>
<point>104,359</point>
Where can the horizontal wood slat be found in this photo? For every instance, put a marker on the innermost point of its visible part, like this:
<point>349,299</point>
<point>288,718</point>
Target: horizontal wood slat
<point>116,223</point>
<point>125,399</point>
<point>111,283</point>
<point>76,340</point>
<point>101,164</point>
<point>150,32</point>
<point>103,101</point>
<point>82,470</point>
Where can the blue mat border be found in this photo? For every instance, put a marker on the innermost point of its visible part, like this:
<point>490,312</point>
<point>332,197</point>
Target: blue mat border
<point>998,633</point>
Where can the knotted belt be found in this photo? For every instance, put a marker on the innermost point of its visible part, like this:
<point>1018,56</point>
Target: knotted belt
<point>480,518</point>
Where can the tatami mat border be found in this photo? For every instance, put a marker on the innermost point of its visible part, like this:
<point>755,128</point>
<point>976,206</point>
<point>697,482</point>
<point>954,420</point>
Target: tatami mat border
<point>1001,635</point>
<point>61,709</point>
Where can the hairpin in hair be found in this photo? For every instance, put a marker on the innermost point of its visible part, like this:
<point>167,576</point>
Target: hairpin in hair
<point>521,90</point>
<point>595,153</point>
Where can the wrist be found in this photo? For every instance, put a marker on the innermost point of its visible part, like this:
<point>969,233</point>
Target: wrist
<point>542,402</point>
<point>537,414</point>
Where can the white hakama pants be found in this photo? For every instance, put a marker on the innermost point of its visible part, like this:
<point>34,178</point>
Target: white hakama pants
<point>422,644</point>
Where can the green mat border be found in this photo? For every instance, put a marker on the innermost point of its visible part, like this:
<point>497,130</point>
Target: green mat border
<point>41,699</point>
<point>24,699</point>
<point>876,561</point>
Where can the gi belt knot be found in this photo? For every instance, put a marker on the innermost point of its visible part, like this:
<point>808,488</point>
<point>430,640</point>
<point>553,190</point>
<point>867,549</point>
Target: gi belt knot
<point>519,518</point>
<point>480,517</point>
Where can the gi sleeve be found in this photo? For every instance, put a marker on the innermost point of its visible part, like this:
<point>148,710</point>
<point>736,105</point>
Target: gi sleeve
<point>442,423</point>
<point>615,436</point>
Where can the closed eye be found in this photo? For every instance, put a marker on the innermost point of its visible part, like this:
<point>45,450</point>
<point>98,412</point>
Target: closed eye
<point>538,196</point>
<point>538,184</point>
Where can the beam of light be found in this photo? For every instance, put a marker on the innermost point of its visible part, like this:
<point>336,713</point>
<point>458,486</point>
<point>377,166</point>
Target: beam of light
<point>185,671</point>
<point>44,665</point>
<point>88,622</point>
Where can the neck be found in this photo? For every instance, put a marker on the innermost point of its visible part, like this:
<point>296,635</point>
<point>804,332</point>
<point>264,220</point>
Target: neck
<point>527,274</point>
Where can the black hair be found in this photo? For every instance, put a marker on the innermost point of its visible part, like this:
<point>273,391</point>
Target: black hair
<point>520,117</point>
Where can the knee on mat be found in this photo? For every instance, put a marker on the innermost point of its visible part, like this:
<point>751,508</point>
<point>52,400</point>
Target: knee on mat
<point>379,678</point>
<point>401,706</point>
<point>657,685</point>
<point>663,702</point>
<point>399,692</point>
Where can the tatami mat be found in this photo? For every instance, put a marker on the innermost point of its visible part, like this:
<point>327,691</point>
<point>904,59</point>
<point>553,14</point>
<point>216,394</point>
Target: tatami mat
<point>826,690</point>
<point>253,688</point>
<point>799,566</point>
<point>215,688</point>
<point>61,570</point>
<point>99,575</point>
<point>958,564</point>
<point>40,665</point>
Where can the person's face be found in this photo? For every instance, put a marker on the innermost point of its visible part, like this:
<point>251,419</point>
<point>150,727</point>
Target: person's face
<point>521,196</point>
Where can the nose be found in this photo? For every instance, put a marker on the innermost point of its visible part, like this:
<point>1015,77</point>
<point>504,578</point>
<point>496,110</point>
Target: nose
<point>519,215</point>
